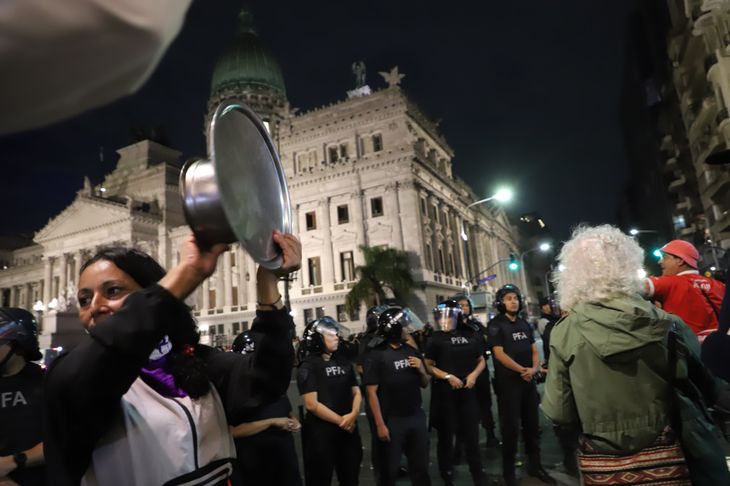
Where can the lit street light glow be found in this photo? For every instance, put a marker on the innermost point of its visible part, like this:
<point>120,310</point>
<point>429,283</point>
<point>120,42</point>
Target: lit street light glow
<point>545,246</point>
<point>633,232</point>
<point>503,194</point>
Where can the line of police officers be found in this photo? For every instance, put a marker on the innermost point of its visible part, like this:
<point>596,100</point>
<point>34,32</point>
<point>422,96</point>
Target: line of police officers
<point>396,358</point>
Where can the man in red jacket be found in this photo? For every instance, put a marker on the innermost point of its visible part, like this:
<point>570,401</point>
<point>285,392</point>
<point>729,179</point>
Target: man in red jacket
<point>681,290</point>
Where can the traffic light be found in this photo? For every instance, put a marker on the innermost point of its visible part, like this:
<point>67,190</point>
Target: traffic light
<point>657,253</point>
<point>513,265</point>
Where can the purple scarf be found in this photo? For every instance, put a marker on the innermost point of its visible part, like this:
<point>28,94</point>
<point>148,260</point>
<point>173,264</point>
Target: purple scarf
<point>159,379</point>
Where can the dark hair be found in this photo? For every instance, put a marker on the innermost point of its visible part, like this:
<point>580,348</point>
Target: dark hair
<point>137,264</point>
<point>189,371</point>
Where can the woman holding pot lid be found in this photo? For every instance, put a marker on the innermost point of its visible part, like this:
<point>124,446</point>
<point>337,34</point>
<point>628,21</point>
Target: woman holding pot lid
<point>140,401</point>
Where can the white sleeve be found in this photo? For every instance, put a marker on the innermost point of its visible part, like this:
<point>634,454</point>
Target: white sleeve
<point>59,58</point>
<point>648,291</point>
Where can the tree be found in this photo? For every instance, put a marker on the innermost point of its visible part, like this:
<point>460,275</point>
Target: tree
<point>384,269</point>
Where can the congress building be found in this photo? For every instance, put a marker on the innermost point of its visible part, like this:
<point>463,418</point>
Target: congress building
<point>369,169</point>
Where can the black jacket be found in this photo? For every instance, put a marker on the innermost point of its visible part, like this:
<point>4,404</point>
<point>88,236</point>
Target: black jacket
<point>84,387</point>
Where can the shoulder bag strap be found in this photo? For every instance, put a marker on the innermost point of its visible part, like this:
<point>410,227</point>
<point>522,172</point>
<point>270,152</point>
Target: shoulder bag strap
<point>674,411</point>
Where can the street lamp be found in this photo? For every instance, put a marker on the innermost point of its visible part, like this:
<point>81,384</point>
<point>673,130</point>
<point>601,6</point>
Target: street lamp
<point>544,248</point>
<point>503,194</point>
<point>635,231</point>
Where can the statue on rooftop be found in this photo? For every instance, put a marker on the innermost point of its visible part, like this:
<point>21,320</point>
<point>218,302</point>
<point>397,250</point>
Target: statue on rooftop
<point>358,69</point>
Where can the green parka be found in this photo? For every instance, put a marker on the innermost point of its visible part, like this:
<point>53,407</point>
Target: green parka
<point>608,373</point>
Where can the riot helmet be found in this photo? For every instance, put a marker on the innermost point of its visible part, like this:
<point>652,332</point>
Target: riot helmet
<point>19,328</point>
<point>244,343</point>
<point>447,315</point>
<point>314,333</point>
<point>393,321</point>
<point>502,292</point>
<point>371,317</point>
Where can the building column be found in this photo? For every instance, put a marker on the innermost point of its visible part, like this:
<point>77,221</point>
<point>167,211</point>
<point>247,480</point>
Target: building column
<point>227,291</point>
<point>393,191</point>
<point>205,288</point>
<point>328,270</point>
<point>78,261</point>
<point>460,259</point>
<point>29,295</point>
<point>251,287</point>
<point>359,217</point>
<point>13,296</point>
<point>62,272</point>
<point>47,279</point>
<point>241,266</point>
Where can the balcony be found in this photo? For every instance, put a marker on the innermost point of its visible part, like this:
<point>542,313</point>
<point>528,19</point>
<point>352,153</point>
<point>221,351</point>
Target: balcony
<point>717,190</point>
<point>666,145</point>
<point>684,205</point>
<point>689,230</point>
<point>722,225</point>
<point>671,164</point>
<point>710,61</point>
<point>677,184</point>
<point>721,116</point>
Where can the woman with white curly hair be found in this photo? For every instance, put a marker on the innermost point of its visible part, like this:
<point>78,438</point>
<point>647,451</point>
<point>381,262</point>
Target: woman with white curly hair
<point>609,360</point>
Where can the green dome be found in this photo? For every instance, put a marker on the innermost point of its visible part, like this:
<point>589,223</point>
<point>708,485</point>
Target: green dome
<point>247,62</point>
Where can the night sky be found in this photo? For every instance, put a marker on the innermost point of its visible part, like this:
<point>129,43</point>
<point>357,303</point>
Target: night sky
<point>527,94</point>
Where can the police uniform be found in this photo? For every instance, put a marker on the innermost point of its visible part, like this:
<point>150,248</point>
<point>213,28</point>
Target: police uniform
<point>483,387</point>
<point>399,396</point>
<point>518,400</point>
<point>457,353</point>
<point>21,398</point>
<point>326,446</point>
<point>375,446</point>
<point>268,457</point>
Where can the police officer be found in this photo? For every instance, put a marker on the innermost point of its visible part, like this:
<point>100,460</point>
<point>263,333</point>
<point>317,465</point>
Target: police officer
<point>264,442</point>
<point>368,340</point>
<point>394,376</point>
<point>516,362</point>
<point>331,396</point>
<point>455,359</point>
<point>483,387</point>
<point>21,447</point>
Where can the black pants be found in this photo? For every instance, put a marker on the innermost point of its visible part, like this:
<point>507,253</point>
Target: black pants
<point>457,414</point>
<point>375,449</point>
<point>483,391</point>
<point>267,458</point>
<point>409,436</point>
<point>518,402</point>
<point>328,448</point>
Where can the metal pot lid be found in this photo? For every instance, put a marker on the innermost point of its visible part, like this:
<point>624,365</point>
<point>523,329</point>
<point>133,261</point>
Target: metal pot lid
<point>251,181</point>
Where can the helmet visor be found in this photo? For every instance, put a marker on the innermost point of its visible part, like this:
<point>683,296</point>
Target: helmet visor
<point>410,321</point>
<point>446,318</point>
<point>328,326</point>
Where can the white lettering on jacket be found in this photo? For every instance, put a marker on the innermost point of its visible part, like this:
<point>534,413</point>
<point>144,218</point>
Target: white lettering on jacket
<point>334,371</point>
<point>519,336</point>
<point>459,340</point>
<point>400,364</point>
<point>12,399</point>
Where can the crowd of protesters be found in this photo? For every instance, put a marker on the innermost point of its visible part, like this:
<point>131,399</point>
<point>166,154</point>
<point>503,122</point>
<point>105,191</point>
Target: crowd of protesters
<point>140,401</point>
